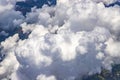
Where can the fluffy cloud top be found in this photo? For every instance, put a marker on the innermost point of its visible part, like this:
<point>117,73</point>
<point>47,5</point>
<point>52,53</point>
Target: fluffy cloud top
<point>65,42</point>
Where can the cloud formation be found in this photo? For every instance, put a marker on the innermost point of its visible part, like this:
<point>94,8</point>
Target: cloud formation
<point>65,42</point>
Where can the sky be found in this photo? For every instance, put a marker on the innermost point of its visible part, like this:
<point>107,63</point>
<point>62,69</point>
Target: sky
<point>58,42</point>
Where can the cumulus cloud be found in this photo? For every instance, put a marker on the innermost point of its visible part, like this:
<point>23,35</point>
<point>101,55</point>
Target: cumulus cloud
<point>65,42</point>
<point>9,18</point>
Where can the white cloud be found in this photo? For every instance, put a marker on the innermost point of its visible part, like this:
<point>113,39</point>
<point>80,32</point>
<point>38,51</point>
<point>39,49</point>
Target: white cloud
<point>9,18</point>
<point>74,38</point>
<point>43,77</point>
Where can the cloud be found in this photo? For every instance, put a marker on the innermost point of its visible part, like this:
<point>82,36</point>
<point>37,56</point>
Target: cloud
<point>66,41</point>
<point>43,77</point>
<point>9,18</point>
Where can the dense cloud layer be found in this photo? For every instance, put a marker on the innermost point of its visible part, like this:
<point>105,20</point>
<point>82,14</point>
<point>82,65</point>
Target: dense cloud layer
<point>65,42</point>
